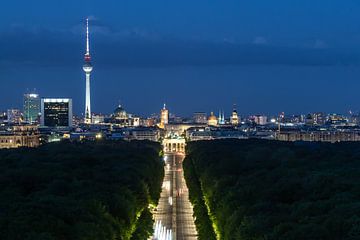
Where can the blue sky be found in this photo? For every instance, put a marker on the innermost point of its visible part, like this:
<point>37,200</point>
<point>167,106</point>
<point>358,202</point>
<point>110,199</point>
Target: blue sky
<point>185,52</point>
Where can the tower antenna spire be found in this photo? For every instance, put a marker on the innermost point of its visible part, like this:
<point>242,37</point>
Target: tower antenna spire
<point>87,37</point>
<point>87,54</point>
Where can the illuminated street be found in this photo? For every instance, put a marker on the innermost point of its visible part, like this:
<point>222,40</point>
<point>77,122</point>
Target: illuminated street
<point>174,214</point>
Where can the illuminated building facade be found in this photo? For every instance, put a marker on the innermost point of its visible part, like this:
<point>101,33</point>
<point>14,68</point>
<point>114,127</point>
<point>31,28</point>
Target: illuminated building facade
<point>140,133</point>
<point>164,117</point>
<point>212,120</point>
<point>260,119</point>
<point>97,119</point>
<point>56,112</point>
<point>319,136</point>
<point>14,116</point>
<point>234,119</point>
<point>120,113</point>
<point>20,136</point>
<point>31,107</point>
<point>200,117</point>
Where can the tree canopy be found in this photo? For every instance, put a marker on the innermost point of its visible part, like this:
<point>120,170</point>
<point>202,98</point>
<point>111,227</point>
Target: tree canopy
<point>85,191</point>
<point>257,189</point>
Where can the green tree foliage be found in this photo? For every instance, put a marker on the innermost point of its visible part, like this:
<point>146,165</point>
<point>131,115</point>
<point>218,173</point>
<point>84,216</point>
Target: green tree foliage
<point>257,189</point>
<point>85,191</point>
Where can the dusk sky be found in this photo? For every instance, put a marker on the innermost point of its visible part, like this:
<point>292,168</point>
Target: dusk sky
<point>265,56</point>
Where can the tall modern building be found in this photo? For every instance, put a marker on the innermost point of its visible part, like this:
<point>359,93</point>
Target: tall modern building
<point>31,107</point>
<point>87,67</point>
<point>56,112</point>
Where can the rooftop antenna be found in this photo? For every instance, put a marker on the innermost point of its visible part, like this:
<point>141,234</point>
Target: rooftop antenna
<point>87,54</point>
<point>87,37</point>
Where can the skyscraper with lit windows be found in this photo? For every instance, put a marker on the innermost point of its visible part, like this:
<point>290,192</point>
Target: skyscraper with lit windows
<point>56,112</point>
<point>31,108</point>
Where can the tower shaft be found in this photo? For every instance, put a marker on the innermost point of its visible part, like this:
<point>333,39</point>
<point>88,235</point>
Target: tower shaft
<point>87,100</point>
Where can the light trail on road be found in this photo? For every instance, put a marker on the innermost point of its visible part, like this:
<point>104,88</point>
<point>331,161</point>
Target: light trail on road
<point>174,213</point>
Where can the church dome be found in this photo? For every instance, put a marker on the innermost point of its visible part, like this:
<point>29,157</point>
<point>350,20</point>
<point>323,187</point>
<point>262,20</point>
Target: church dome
<point>120,112</point>
<point>212,117</point>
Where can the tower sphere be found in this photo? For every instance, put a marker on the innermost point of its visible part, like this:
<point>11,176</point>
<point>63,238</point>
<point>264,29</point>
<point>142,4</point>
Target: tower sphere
<point>87,67</point>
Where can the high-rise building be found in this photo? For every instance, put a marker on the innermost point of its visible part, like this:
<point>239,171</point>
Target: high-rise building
<point>31,107</point>
<point>14,116</point>
<point>260,119</point>
<point>234,119</point>
<point>56,112</point>
<point>200,117</point>
<point>87,67</point>
<point>164,117</point>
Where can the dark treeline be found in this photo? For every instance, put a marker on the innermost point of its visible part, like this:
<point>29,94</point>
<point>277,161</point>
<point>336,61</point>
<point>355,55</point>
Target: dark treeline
<point>270,190</point>
<point>86,191</point>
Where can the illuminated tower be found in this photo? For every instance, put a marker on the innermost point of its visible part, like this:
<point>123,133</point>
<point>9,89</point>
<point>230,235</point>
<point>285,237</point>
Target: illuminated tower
<point>234,119</point>
<point>164,118</point>
<point>221,119</point>
<point>87,67</point>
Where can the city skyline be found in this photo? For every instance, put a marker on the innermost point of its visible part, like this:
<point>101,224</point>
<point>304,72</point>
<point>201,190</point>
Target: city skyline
<point>224,111</point>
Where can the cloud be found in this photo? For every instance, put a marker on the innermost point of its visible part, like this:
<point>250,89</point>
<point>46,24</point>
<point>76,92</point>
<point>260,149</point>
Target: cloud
<point>260,41</point>
<point>320,44</point>
<point>94,29</point>
<point>138,48</point>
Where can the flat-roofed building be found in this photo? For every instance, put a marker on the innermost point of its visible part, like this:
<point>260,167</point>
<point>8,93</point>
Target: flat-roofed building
<point>56,112</point>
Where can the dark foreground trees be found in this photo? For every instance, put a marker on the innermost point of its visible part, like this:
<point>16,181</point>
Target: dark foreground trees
<point>254,189</point>
<point>79,191</point>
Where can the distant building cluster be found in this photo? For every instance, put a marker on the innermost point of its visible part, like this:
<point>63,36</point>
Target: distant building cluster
<point>44,120</point>
<point>49,119</point>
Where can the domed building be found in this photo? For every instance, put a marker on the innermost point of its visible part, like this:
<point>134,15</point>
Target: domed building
<point>212,120</point>
<point>234,119</point>
<point>120,113</point>
<point>124,119</point>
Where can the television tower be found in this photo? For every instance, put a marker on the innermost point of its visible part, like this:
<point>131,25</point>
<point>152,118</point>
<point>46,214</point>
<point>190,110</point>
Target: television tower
<point>87,67</point>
